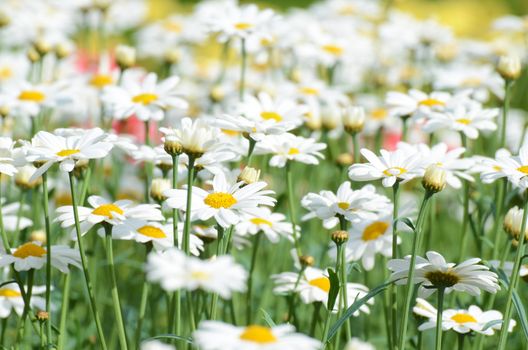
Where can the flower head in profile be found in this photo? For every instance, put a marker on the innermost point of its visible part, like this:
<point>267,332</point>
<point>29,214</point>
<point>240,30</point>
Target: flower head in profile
<point>11,299</point>
<point>353,205</point>
<point>174,270</point>
<point>148,99</point>
<point>227,203</point>
<point>215,335</point>
<point>272,225</point>
<point>399,165</point>
<point>47,149</point>
<point>288,147</point>
<point>434,272</point>
<point>32,255</point>
<point>462,321</point>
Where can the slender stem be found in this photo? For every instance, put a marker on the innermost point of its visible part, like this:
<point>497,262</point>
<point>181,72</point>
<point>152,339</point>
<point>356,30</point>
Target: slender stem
<point>176,316</point>
<point>143,302</point>
<point>461,338</point>
<point>48,255</point>
<point>513,281</point>
<point>405,127</point>
<point>393,290</point>
<point>496,231</point>
<point>114,291</point>
<point>250,278</point>
<point>439,318</point>
<point>410,277</point>
<point>187,225</point>
<point>344,291</point>
<point>242,68</point>
<point>251,148</point>
<point>27,305</point>
<point>326,328</point>
<point>355,141</point>
<point>465,222</point>
<point>84,264</point>
<point>64,311</point>
<point>505,108</point>
<point>315,317</point>
<point>292,208</point>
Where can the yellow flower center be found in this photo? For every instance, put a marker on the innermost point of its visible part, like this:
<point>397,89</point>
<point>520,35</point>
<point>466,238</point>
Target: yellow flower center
<point>322,283</point>
<point>499,168</point>
<point>293,151</point>
<point>463,318</point>
<point>258,334</point>
<point>523,169</point>
<point>309,90</point>
<point>243,25</point>
<point>151,231</point>
<point>374,230</point>
<point>145,98</point>
<point>464,121</point>
<point>230,132</point>
<point>9,293</point>
<point>271,115</point>
<point>200,275</point>
<point>259,221</point>
<point>107,210</point>
<point>67,152</point>
<point>29,249</point>
<point>379,114</point>
<point>31,96</point>
<point>472,82</point>
<point>219,200</point>
<point>394,171</point>
<point>101,80</point>
<point>431,102</point>
<point>343,205</point>
<point>5,73</point>
<point>333,49</point>
<point>173,26</point>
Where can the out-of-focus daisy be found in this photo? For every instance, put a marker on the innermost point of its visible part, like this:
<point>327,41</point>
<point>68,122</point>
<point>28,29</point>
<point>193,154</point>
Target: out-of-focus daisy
<point>434,272</point>
<point>31,99</point>
<point>11,299</point>
<point>273,225</point>
<point>226,202</point>
<point>507,267</point>
<point>491,169</point>
<point>10,158</point>
<point>196,137</point>
<point>12,219</point>
<point>314,285</point>
<point>113,213</point>
<point>415,103</point>
<point>354,205</point>
<point>32,255</point>
<point>148,100</point>
<point>357,344</point>
<point>48,149</point>
<point>399,165</point>
<point>288,147</point>
<point>215,335</point>
<point>174,270</point>
<point>514,167</point>
<point>156,345</point>
<point>513,222</point>
<point>460,320</point>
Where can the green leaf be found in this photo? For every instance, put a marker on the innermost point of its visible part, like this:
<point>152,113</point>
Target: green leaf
<point>171,336</point>
<point>334,289</point>
<point>354,307</point>
<point>267,318</point>
<point>408,222</point>
<point>491,324</point>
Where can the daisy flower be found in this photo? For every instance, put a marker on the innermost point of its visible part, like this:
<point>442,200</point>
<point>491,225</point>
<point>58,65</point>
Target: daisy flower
<point>156,345</point>
<point>354,205</point>
<point>273,225</point>
<point>357,344</point>
<point>314,285</point>
<point>460,320</point>
<point>12,221</point>
<point>288,147</point>
<point>10,157</point>
<point>48,149</point>
<point>148,100</point>
<point>514,167</point>
<point>32,255</point>
<point>113,213</point>
<point>399,165</point>
<point>434,272</point>
<point>507,267</point>
<point>491,169</point>
<point>31,99</point>
<point>415,103</point>
<point>226,203</point>
<point>174,270</point>
<point>216,335</point>
<point>11,299</point>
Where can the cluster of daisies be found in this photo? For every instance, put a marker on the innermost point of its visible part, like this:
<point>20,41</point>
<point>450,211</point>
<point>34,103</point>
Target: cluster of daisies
<point>261,185</point>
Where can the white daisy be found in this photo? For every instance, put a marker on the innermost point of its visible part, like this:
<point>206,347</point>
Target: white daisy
<point>415,103</point>
<point>273,225</point>
<point>215,335</point>
<point>32,255</point>
<point>174,270</point>
<point>357,344</point>
<point>10,157</point>
<point>196,137</point>
<point>288,147</point>
<point>11,299</point>
<point>226,203</point>
<point>13,222</point>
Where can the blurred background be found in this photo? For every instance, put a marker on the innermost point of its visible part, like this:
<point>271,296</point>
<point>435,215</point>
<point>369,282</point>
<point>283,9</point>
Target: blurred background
<point>466,17</point>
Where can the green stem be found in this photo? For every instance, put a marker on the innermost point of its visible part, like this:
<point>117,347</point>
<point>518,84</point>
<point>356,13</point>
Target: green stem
<point>513,281</point>
<point>251,148</point>
<point>27,306</point>
<point>143,302</point>
<point>48,256</point>
<point>496,231</point>
<point>465,222</point>
<point>355,141</point>
<point>505,108</point>
<point>242,69</point>
<point>187,225</point>
<point>114,291</point>
<point>344,292</point>
<point>439,318</point>
<point>84,264</point>
<point>250,278</point>
<point>291,206</point>
<point>176,316</point>
<point>64,311</point>
<point>405,127</point>
<point>392,290</point>
<point>410,286</point>
<point>326,328</point>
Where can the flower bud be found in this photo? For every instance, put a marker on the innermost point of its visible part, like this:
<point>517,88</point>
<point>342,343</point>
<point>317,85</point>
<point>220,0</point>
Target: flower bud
<point>509,67</point>
<point>80,167</point>
<point>434,179</point>
<point>354,119</point>
<point>4,19</point>
<point>125,56</point>
<point>345,159</point>
<point>23,175</point>
<point>33,55</point>
<point>313,121</point>
<point>38,236</point>
<point>307,260</point>
<point>42,46</point>
<point>158,187</point>
<point>513,222</point>
<point>42,315</point>
<point>330,118</point>
<point>217,93</point>
<point>339,237</point>
<point>172,56</point>
<point>172,147</point>
<point>63,50</point>
<point>249,175</point>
